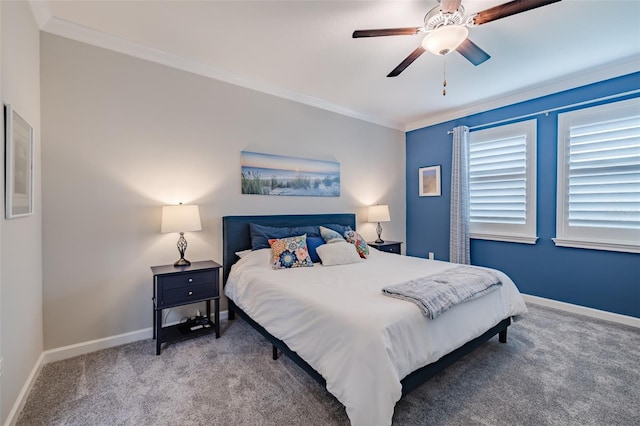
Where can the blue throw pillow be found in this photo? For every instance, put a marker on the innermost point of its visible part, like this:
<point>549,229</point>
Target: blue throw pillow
<point>312,244</point>
<point>340,229</point>
<point>260,234</point>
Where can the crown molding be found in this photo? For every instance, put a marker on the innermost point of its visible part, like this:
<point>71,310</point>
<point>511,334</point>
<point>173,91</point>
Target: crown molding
<point>41,12</point>
<point>93,37</point>
<point>570,81</point>
<point>60,27</point>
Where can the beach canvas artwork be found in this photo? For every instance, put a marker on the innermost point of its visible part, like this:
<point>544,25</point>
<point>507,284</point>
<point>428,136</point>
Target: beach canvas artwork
<point>266,174</point>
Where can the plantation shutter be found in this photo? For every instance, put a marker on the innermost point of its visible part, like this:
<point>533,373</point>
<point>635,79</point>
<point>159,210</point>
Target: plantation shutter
<point>498,180</point>
<point>599,177</point>
<point>502,183</point>
<point>604,173</point>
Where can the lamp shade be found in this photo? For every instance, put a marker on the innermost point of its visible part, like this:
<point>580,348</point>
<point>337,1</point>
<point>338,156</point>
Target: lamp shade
<point>180,218</point>
<point>445,39</point>
<point>379,213</point>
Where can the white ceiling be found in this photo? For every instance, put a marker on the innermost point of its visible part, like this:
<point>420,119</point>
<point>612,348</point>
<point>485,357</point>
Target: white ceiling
<point>303,50</point>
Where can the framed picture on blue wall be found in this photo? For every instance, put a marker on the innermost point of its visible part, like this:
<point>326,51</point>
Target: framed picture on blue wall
<point>18,165</point>
<point>429,185</point>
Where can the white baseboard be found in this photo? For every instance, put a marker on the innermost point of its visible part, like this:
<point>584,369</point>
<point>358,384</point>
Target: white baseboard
<point>70,351</point>
<point>77,349</point>
<point>582,310</point>
<point>12,418</point>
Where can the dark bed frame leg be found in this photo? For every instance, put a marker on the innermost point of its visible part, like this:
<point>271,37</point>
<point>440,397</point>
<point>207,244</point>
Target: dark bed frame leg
<point>502,336</point>
<point>232,313</point>
<point>275,352</point>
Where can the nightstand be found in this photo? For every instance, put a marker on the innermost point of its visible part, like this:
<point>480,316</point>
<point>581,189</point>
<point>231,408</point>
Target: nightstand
<point>183,285</point>
<point>387,246</point>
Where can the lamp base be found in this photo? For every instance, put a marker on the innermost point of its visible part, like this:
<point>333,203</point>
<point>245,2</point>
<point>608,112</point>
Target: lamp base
<point>182,262</point>
<point>182,247</point>
<point>379,231</point>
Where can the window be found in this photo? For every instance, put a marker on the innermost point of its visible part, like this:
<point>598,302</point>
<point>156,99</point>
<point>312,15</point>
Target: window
<point>502,183</point>
<point>599,177</point>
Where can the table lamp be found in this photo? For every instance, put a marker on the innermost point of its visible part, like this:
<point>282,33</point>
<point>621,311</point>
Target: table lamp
<point>379,213</point>
<point>181,218</point>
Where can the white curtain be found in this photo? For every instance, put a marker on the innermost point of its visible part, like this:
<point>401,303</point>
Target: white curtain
<point>459,243</point>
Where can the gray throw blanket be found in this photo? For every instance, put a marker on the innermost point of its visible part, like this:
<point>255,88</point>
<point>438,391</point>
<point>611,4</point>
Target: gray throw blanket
<point>434,294</point>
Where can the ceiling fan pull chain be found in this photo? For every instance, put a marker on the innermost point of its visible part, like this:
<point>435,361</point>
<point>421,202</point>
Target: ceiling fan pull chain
<point>444,75</point>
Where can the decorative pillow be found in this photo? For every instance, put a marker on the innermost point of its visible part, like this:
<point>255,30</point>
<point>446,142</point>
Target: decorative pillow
<point>290,252</point>
<point>260,234</point>
<point>312,244</point>
<point>361,245</point>
<point>330,236</point>
<point>339,253</point>
<point>341,229</point>
<point>243,253</point>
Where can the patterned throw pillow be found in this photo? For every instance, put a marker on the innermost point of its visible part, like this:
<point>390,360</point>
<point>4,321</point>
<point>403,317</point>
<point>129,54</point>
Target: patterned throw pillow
<point>361,245</point>
<point>290,252</point>
<point>330,236</point>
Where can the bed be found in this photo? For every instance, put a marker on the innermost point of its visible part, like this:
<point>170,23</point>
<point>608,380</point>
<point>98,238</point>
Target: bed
<point>367,349</point>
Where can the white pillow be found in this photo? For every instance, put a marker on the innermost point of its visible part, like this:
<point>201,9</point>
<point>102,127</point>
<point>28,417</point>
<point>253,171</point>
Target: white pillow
<point>243,253</point>
<point>341,253</point>
<point>260,257</point>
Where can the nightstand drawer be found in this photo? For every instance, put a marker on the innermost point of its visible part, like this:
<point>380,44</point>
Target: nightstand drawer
<point>392,248</point>
<point>185,280</point>
<point>387,246</point>
<point>188,294</point>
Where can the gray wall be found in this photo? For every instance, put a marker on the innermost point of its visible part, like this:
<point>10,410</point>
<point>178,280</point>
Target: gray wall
<point>20,238</point>
<point>122,137</point>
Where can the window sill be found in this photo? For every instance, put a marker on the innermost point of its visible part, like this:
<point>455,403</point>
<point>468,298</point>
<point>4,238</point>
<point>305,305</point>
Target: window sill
<point>505,238</point>
<point>597,245</point>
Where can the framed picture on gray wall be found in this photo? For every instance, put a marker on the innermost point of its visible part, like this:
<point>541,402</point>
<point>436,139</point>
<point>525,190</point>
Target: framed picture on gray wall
<point>268,174</point>
<point>429,181</point>
<point>18,165</point>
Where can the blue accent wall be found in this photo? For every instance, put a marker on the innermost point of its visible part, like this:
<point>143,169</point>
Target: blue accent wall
<point>599,279</point>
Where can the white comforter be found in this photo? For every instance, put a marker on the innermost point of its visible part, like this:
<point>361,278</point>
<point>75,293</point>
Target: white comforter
<point>362,342</point>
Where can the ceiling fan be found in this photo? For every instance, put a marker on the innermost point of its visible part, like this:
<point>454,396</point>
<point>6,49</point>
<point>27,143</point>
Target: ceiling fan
<point>446,30</point>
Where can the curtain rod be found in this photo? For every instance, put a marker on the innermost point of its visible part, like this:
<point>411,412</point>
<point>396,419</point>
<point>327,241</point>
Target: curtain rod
<point>547,111</point>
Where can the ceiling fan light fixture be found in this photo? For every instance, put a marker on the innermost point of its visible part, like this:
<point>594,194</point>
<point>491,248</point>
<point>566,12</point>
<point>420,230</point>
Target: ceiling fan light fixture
<point>445,39</point>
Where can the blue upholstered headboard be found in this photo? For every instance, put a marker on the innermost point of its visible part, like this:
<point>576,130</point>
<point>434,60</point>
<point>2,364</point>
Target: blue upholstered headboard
<point>236,237</point>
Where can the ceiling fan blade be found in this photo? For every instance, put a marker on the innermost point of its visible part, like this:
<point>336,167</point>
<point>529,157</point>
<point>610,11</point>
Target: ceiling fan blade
<point>386,32</point>
<point>472,52</point>
<point>407,61</point>
<point>449,6</point>
<point>508,9</point>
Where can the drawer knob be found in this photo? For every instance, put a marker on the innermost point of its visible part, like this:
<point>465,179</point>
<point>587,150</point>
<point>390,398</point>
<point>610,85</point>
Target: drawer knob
<point>190,293</point>
<point>190,280</point>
